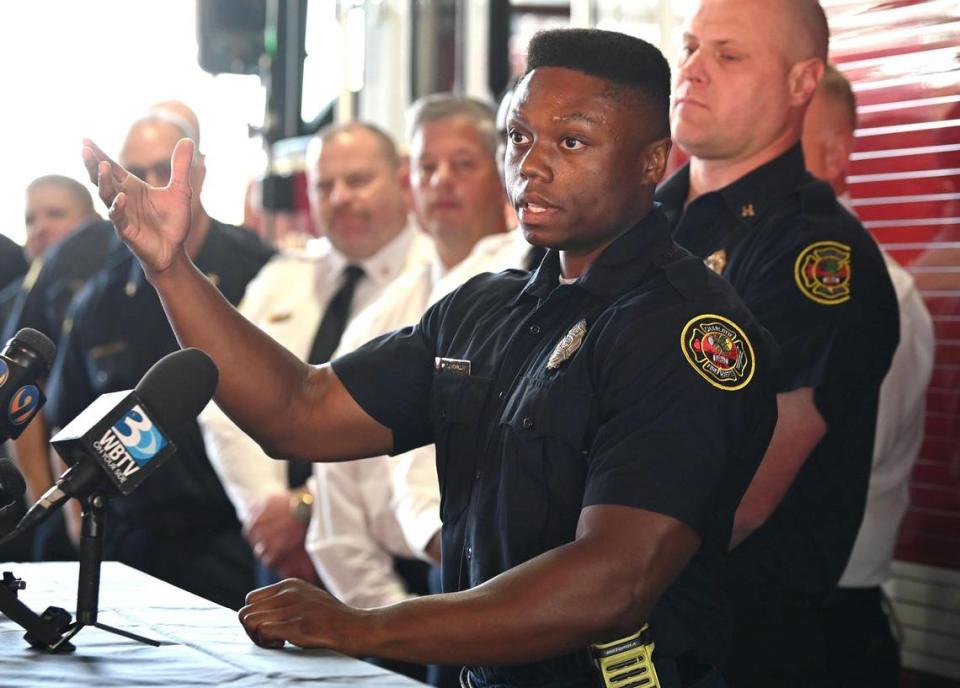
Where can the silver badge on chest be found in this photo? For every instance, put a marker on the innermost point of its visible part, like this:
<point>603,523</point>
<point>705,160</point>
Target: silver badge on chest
<point>567,346</point>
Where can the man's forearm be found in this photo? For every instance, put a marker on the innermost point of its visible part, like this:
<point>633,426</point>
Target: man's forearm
<point>559,602</point>
<point>294,411</point>
<point>258,377</point>
<point>800,427</point>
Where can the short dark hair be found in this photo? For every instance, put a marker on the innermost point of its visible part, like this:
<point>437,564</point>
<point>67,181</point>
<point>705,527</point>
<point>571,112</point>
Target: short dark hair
<point>625,61</point>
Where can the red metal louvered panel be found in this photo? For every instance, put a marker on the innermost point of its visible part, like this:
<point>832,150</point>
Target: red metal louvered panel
<point>902,59</point>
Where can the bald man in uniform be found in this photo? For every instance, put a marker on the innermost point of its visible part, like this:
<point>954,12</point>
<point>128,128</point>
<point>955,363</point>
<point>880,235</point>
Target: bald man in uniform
<point>816,280</point>
<point>178,526</point>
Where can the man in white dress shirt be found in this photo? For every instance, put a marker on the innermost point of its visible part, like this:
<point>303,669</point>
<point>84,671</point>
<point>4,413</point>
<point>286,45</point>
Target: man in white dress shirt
<point>862,648</point>
<point>359,192</point>
<point>368,512</point>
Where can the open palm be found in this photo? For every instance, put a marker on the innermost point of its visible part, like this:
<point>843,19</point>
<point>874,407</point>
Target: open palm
<point>152,221</point>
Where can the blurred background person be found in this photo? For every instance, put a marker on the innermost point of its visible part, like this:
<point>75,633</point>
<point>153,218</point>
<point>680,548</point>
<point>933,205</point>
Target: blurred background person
<point>359,189</point>
<point>861,647</point>
<point>67,242</point>
<point>178,526</point>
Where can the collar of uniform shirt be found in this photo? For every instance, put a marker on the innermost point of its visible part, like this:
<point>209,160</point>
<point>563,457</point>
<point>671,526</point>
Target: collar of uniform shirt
<point>748,197</point>
<point>621,266</point>
<point>385,265</point>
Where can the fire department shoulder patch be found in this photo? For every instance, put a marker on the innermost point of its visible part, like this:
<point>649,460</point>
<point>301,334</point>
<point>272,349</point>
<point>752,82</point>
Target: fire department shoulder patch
<point>822,272</point>
<point>719,351</point>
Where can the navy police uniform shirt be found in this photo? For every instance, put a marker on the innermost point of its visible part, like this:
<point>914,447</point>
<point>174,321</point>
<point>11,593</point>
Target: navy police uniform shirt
<point>13,262</point>
<point>56,277</point>
<point>646,383</point>
<point>816,280</point>
<point>179,525</point>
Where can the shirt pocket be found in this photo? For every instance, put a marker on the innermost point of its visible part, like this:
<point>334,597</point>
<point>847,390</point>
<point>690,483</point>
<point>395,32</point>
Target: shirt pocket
<point>456,405</point>
<point>546,437</point>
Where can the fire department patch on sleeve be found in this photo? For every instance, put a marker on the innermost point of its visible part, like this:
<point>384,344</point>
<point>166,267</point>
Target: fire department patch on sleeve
<point>822,272</point>
<point>719,351</point>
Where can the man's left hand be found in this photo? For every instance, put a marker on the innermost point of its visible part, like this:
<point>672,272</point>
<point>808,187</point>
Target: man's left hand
<point>297,612</point>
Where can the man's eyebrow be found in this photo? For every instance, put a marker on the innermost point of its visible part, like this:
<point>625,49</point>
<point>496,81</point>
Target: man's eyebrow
<point>577,117</point>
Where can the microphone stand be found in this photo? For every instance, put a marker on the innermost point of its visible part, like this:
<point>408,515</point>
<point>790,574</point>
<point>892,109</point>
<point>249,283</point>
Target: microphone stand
<point>88,586</point>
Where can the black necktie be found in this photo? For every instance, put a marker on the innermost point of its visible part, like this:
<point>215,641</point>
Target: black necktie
<point>332,325</point>
<point>335,318</point>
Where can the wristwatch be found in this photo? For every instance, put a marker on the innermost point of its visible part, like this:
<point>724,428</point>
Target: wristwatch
<point>301,505</point>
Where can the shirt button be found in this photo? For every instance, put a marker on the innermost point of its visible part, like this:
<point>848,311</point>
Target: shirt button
<point>527,422</point>
<point>476,475</point>
<point>501,395</point>
<point>469,553</point>
<point>534,329</point>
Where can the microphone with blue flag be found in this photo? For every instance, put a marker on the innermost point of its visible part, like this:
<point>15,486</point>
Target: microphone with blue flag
<point>123,437</point>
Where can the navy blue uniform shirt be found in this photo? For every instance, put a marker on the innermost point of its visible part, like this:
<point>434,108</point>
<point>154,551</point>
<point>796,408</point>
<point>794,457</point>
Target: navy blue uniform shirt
<point>13,262</point>
<point>661,398</point>
<point>63,270</point>
<point>816,280</point>
<point>179,525</point>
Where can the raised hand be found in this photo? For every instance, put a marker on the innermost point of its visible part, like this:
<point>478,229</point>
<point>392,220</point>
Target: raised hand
<point>152,221</point>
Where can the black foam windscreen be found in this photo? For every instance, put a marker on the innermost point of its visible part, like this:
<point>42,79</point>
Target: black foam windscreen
<point>178,386</point>
<point>35,341</point>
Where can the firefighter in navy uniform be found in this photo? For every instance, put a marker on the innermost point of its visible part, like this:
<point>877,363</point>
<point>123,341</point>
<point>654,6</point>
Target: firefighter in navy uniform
<point>178,526</point>
<point>596,422</point>
<point>816,280</point>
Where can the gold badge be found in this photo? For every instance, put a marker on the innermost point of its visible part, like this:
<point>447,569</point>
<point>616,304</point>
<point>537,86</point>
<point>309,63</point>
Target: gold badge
<point>719,350</point>
<point>747,210</point>
<point>716,261</point>
<point>822,272</point>
<point>279,316</point>
<point>568,346</point>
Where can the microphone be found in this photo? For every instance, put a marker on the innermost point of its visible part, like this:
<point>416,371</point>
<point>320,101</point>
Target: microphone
<point>26,357</point>
<point>123,437</point>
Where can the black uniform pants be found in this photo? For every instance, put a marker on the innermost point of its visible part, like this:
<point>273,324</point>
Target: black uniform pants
<point>861,649</point>
<point>777,640</point>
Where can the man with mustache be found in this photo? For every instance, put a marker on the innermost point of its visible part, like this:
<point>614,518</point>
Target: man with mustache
<point>359,193</point>
<point>590,455</point>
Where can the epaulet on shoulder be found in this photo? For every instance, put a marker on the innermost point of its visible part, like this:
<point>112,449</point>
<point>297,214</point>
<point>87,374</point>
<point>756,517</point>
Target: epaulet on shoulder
<point>685,272</point>
<point>818,199</point>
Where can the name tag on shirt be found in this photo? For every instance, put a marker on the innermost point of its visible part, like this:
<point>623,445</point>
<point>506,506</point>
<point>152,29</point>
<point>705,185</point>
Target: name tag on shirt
<point>451,365</point>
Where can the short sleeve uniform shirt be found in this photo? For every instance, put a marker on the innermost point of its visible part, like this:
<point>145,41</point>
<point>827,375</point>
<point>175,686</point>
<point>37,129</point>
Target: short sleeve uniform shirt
<point>646,383</point>
<point>816,280</point>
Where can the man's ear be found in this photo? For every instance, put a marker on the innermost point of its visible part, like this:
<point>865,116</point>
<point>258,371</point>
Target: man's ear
<point>403,172</point>
<point>802,80</point>
<point>654,161</point>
